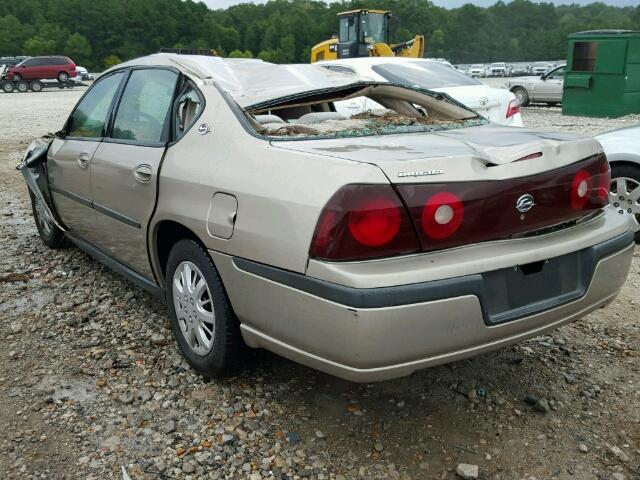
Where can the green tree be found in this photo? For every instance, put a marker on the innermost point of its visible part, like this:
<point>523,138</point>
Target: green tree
<point>39,46</point>
<point>240,54</point>
<point>111,61</point>
<point>78,48</point>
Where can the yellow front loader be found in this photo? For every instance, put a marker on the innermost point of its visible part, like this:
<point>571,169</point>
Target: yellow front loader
<point>365,33</point>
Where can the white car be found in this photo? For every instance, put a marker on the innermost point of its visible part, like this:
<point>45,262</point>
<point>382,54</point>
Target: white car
<point>496,104</point>
<point>476,70</point>
<point>498,69</point>
<point>622,148</point>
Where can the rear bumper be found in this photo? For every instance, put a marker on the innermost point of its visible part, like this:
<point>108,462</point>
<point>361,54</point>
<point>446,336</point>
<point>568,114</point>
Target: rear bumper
<point>373,334</point>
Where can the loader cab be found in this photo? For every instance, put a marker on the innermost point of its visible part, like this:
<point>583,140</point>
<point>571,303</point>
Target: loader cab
<point>359,29</point>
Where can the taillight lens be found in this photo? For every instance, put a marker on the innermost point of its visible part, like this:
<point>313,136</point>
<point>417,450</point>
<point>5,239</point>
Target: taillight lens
<point>581,187</point>
<point>363,221</point>
<point>513,108</point>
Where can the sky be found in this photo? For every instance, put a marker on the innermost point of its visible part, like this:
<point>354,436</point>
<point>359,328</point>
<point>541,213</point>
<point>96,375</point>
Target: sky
<point>446,3</point>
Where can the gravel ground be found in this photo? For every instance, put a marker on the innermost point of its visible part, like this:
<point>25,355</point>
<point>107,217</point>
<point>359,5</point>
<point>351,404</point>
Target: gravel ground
<point>91,381</point>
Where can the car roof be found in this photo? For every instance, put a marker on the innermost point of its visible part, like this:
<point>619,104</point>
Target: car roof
<point>249,81</point>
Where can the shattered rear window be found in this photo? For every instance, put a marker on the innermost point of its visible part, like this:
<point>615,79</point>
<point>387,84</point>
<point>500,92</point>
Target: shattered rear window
<point>372,109</point>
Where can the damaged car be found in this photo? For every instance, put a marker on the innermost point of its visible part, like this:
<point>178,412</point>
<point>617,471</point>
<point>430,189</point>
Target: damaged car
<point>367,247</point>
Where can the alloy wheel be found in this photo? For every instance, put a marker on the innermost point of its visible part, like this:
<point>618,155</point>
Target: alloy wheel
<point>194,307</point>
<point>625,198</point>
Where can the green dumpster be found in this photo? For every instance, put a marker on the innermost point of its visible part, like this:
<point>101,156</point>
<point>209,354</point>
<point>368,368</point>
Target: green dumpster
<point>602,78</point>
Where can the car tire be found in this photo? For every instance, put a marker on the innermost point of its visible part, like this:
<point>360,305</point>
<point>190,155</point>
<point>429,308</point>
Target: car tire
<point>22,86</point>
<point>50,234</point>
<point>202,320</point>
<point>17,77</point>
<point>628,176</point>
<point>36,86</point>
<point>63,77</point>
<point>7,87</point>
<point>521,96</point>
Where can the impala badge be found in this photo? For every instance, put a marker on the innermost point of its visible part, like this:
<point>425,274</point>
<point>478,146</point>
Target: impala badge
<point>420,173</point>
<point>204,128</point>
<point>525,203</point>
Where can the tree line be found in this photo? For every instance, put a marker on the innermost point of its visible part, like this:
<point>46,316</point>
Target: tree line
<point>101,33</point>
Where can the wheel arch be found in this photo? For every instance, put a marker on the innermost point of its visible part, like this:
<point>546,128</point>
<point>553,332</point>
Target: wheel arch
<point>630,160</point>
<point>166,233</point>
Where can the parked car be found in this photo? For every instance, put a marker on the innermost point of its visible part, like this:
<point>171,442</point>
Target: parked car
<point>622,147</point>
<point>540,68</point>
<point>83,74</point>
<point>498,69</point>
<point>476,70</point>
<point>496,104</point>
<point>544,89</point>
<point>518,70</point>
<point>42,68</point>
<point>367,248</point>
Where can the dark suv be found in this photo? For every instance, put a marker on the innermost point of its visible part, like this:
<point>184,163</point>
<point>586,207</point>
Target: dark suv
<point>38,68</point>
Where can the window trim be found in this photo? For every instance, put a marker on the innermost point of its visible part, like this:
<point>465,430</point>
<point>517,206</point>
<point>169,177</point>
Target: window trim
<point>166,128</point>
<point>67,125</point>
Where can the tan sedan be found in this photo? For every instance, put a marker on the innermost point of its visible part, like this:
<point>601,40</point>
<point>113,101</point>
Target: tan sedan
<point>366,247</point>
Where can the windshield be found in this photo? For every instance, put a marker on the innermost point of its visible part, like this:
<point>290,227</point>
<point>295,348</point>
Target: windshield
<point>427,75</point>
<point>374,27</point>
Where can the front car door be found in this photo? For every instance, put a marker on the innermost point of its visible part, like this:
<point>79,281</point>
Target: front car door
<point>125,166</point>
<point>69,158</point>
<point>550,89</point>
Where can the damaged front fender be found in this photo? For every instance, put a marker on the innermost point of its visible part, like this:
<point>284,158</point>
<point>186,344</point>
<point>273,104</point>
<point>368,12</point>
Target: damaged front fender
<point>34,170</point>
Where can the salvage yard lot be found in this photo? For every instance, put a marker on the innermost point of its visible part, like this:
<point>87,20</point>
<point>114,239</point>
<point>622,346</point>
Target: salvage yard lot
<point>91,380</point>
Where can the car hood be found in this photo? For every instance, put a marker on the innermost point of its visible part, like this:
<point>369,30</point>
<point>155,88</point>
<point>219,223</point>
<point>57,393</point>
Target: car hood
<point>461,154</point>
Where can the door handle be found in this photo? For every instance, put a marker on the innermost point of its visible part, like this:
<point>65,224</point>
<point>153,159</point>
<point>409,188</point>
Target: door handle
<point>83,160</point>
<point>143,173</point>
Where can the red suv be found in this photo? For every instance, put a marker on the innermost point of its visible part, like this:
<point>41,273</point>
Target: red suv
<point>38,68</point>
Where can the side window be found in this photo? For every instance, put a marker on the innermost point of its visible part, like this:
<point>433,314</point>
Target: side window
<point>90,116</point>
<point>30,63</point>
<point>143,109</point>
<point>558,74</point>
<point>189,106</point>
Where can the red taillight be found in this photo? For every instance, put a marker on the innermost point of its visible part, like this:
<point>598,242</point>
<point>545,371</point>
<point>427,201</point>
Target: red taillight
<point>363,221</point>
<point>604,180</point>
<point>442,215</point>
<point>513,108</point>
<point>375,222</point>
<point>581,187</point>
<point>370,221</point>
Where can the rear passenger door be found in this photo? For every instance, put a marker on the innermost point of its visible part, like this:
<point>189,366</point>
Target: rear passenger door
<point>70,156</point>
<point>125,166</point>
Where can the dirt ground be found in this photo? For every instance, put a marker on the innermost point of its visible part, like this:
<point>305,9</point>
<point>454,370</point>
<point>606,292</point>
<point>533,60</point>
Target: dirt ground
<point>91,381</point>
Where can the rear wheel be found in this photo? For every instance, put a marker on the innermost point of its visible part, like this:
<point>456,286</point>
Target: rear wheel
<point>22,86</point>
<point>36,86</point>
<point>50,234</point>
<point>521,96</point>
<point>625,194</point>
<point>7,87</point>
<point>63,77</point>
<point>202,320</point>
